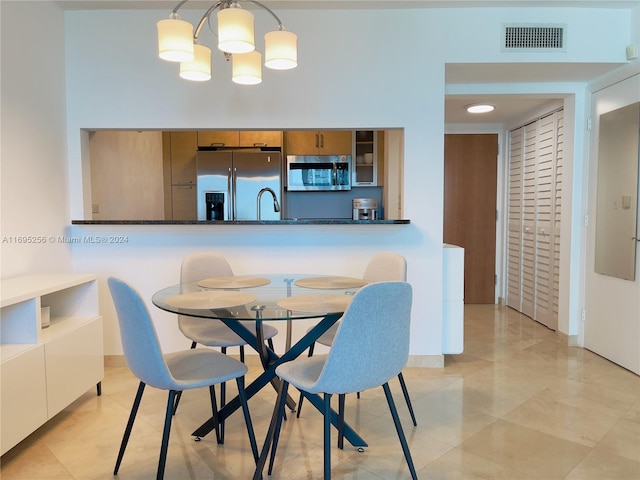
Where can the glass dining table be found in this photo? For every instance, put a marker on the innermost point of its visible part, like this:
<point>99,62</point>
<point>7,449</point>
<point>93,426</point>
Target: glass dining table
<point>266,297</point>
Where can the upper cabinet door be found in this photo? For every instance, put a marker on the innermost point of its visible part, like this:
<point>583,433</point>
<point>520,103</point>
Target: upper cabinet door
<point>318,142</point>
<point>260,138</point>
<point>301,142</point>
<point>183,158</point>
<point>336,142</point>
<point>219,138</point>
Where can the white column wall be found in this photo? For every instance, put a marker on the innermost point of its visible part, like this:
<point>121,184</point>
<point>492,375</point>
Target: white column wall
<point>34,194</point>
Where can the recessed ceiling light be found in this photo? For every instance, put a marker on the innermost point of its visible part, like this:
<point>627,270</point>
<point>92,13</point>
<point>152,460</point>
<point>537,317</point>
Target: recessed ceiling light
<point>480,108</point>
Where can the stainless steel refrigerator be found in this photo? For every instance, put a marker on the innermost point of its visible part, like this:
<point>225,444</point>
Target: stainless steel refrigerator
<point>229,184</point>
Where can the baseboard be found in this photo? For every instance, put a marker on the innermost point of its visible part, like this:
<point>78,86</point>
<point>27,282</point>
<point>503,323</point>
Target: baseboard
<point>426,361</point>
<point>114,361</point>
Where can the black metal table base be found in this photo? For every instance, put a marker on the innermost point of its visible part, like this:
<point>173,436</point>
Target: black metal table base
<point>270,360</point>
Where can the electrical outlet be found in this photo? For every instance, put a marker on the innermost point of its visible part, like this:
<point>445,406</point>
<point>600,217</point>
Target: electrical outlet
<point>632,51</point>
<point>95,208</point>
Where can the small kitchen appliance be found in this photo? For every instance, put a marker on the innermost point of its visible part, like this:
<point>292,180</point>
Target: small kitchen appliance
<point>365,209</point>
<point>318,172</point>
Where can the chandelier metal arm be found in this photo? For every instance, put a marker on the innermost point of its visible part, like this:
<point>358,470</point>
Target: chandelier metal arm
<point>260,4</point>
<point>204,18</point>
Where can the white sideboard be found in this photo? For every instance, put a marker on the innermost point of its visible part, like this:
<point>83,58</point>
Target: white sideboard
<point>42,370</point>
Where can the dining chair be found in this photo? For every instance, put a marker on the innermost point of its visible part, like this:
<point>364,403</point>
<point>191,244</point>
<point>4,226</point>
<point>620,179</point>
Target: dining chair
<point>207,332</point>
<point>359,359</point>
<point>382,267</point>
<point>175,372</point>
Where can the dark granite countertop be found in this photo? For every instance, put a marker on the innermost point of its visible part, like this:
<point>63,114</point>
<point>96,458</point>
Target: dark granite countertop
<point>290,221</point>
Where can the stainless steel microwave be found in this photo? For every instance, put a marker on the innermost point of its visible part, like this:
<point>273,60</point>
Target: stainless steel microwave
<point>318,172</point>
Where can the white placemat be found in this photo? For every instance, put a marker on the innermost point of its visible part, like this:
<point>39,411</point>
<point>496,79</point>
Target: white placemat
<point>316,302</point>
<point>210,299</point>
<point>330,282</point>
<point>233,282</point>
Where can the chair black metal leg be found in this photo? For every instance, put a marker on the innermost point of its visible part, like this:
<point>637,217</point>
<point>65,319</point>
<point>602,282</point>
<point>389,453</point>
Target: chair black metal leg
<point>242,353</point>
<point>175,407</point>
<point>214,409</point>
<point>405,392</point>
<point>341,421</point>
<point>403,440</point>
<point>276,436</point>
<point>279,407</point>
<point>165,435</point>
<point>127,430</point>
<point>247,417</point>
<point>327,436</point>
<point>223,396</point>
<point>301,395</point>
<point>99,388</point>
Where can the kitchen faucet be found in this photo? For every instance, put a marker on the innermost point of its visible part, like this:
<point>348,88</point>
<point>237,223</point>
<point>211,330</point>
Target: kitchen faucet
<point>276,205</point>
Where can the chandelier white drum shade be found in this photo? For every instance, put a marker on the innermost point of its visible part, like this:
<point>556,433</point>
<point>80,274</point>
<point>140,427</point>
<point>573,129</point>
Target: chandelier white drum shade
<point>246,68</point>
<point>235,30</point>
<point>281,50</point>
<point>198,69</point>
<point>175,40</point>
<point>179,42</point>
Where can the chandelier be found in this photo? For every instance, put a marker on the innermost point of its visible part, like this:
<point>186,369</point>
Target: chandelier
<point>179,42</point>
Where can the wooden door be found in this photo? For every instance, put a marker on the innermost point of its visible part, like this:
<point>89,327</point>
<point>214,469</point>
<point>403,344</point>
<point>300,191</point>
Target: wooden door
<point>470,190</point>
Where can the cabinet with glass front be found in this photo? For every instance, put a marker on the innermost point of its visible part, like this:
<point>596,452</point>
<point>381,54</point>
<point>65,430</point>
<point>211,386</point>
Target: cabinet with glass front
<point>365,171</point>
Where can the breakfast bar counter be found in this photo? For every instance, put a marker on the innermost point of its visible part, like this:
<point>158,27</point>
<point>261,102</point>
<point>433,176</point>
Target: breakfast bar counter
<point>288,221</point>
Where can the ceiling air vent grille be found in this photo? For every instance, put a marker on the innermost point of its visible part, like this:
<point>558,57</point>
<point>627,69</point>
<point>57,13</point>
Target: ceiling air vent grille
<point>534,37</point>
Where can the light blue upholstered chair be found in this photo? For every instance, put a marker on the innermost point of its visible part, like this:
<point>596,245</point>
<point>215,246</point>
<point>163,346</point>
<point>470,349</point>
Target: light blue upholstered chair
<point>382,267</point>
<point>207,332</point>
<point>370,347</point>
<point>174,372</point>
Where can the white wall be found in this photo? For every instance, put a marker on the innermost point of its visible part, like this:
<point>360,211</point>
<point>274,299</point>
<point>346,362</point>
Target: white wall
<point>358,69</point>
<point>34,193</point>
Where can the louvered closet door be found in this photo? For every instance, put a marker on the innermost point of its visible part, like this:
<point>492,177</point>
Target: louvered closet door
<point>534,215</point>
<point>514,218</point>
<point>544,234</point>
<point>529,184</point>
<point>557,216</point>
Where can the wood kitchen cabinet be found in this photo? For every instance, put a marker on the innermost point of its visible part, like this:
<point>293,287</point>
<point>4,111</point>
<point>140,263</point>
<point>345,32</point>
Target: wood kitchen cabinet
<point>219,138</point>
<point>184,202</point>
<point>183,157</point>
<point>318,142</point>
<point>260,138</point>
<point>239,138</point>
<point>368,162</point>
<point>180,174</point>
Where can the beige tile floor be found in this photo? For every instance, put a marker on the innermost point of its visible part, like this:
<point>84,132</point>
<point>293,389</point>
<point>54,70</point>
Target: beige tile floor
<point>518,404</point>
